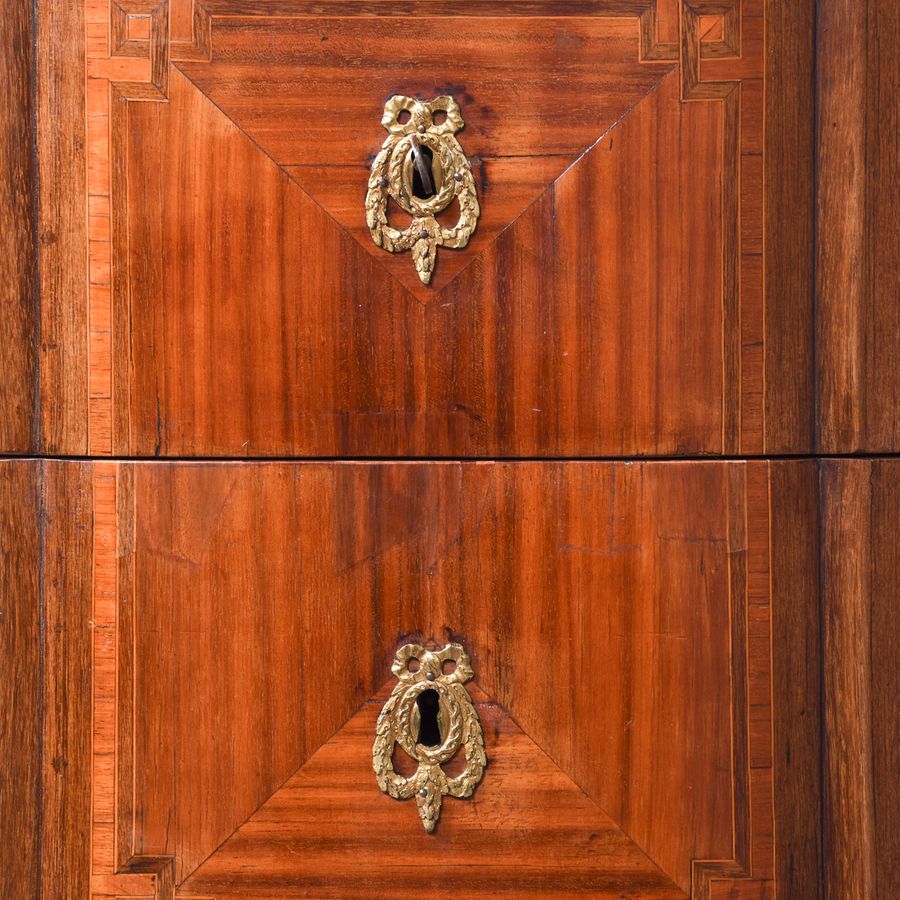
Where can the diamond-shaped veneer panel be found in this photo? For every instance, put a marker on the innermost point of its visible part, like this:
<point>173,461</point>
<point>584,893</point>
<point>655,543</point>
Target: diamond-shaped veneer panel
<point>330,832</point>
<point>535,94</point>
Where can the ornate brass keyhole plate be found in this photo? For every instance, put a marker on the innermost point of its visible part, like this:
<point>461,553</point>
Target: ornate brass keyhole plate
<point>422,167</point>
<point>402,722</point>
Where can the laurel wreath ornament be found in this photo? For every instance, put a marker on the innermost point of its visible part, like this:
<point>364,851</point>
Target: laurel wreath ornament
<point>458,724</point>
<point>392,178</point>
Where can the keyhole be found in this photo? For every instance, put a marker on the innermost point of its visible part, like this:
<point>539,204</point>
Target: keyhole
<point>423,181</point>
<point>429,729</point>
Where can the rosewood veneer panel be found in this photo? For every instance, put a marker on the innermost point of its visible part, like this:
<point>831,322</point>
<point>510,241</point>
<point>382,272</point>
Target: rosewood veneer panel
<point>796,675</point>
<point>71,146</point>
<point>45,689</point>
<point>251,315</point>
<point>71,600</point>
<point>746,62</point>
<point>246,661</point>
<point>594,324</point>
<point>216,294</point>
<point>858,240</point>
<point>209,626</point>
<point>536,94</point>
<point>20,686</point>
<point>531,832</point>
<point>861,565</point>
<point>18,253</point>
<point>610,340</point>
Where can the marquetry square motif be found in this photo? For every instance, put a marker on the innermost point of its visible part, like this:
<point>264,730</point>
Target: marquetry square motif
<point>131,28</point>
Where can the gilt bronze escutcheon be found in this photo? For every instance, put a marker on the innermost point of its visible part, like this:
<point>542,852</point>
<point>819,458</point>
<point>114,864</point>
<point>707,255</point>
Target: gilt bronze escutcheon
<point>422,167</point>
<point>431,716</point>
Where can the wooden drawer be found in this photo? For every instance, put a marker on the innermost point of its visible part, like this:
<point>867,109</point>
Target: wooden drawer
<point>565,434</point>
<point>611,301</point>
<point>623,621</point>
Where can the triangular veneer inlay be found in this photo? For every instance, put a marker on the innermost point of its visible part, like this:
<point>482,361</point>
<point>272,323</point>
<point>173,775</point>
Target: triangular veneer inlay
<point>535,94</point>
<point>330,832</point>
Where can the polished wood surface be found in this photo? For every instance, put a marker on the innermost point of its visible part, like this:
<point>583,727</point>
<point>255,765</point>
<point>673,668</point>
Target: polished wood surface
<point>45,691</point>
<point>770,359</point>
<point>18,256</point>
<point>425,549</point>
<point>205,651</point>
<point>518,530</point>
<point>64,146</point>
<point>309,92</point>
<point>519,355</point>
<point>789,233</point>
<point>858,317</point>
<point>529,831</point>
<point>861,564</point>
<point>885,570</point>
<point>796,677</point>
<point>20,686</point>
<point>688,667</point>
<point>69,634</point>
<point>648,307</point>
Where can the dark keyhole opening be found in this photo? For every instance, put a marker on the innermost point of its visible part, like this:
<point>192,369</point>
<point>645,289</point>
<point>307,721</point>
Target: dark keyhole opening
<point>429,730</point>
<point>423,188</point>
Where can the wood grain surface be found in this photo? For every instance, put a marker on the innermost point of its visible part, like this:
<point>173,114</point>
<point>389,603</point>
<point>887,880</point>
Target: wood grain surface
<point>161,532</point>
<point>20,686</point>
<point>502,556</point>
<point>861,563</point>
<point>857,314</point>
<point>787,388</point>
<point>529,831</point>
<point>526,354</point>
<point>789,248</point>
<point>885,572</point>
<point>883,234</point>
<point>45,692</point>
<point>686,669</point>
<point>246,184</point>
<point>62,156</point>
<point>796,677</point>
<point>68,680</point>
<point>18,257</point>
<point>309,93</point>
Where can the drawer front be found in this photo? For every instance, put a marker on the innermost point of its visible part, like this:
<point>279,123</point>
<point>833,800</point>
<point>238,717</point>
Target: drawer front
<point>609,302</point>
<point>619,622</point>
<point>451,323</point>
<point>420,394</point>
